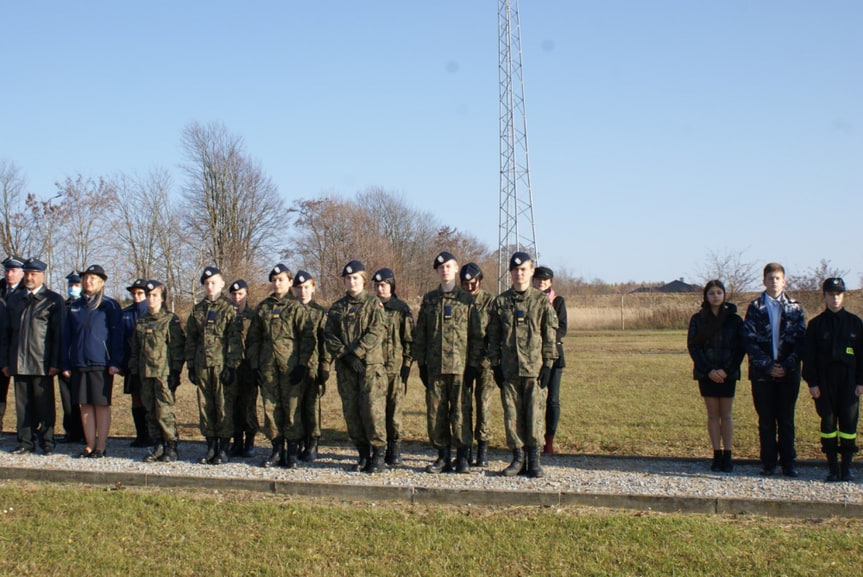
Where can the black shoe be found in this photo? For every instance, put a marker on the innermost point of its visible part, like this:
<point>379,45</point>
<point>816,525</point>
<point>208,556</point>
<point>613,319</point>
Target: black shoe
<point>768,470</point>
<point>716,465</point>
<point>85,453</point>
<point>97,454</point>
<point>442,463</point>
<point>790,471</point>
<point>47,452</point>
<point>21,450</point>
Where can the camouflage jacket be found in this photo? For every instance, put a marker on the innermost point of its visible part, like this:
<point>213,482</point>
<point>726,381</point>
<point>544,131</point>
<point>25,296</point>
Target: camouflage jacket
<point>448,336</point>
<point>356,325</point>
<point>212,339</point>
<point>279,336</point>
<point>483,303</point>
<point>158,346</point>
<point>758,337</point>
<point>399,336</point>
<point>317,318</point>
<point>522,333</point>
<point>244,322</point>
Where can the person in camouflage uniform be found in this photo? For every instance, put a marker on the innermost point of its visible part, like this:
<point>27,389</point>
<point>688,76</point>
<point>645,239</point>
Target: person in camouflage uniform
<point>483,387</point>
<point>448,348</point>
<point>213,352</point>
<point>279,346</point>
<point>521,335</point>
<point>354,334</point>
<point>319,366</point>
<point>156,358</point>
<point>245,409</point>
<point>397,358</point>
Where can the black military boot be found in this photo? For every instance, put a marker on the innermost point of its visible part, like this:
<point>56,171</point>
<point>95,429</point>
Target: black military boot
<point>845,468</point>
<point>277,456</point>
<point>304,445</point>
<point>727,466</point>
<point>311,450</point>
<point>249,446</point>
<point>517,463</point>
<point>394,453</point>
<point>223,445</point>
<point>833,475</point>
<point>716,465</point>
<point>237,445</point>
<point>292,454</point>
<point>376,462</point>
<point>142,434</point>
<point>534,468</point>
<point>462,464</point>
<point>442,463</point>
<point>170,453</point>
<point>155,453</point>
<point>211,451</point>
<point>365,454</point>
<point>481,454</point>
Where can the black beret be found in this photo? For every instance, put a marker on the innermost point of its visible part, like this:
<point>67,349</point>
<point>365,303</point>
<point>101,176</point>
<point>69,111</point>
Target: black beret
<point>442,257</point>
<point>518,259</point>
<point>238,284</point>
<point>151,285</point>
<point>278,269</point>
<point>208,272</point>
<point>470,271</point>
<point>352,267</point>
<point>384,274</point>
<point>302,276</point>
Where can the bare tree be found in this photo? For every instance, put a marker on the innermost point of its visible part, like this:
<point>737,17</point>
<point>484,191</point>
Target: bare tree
<point>18,234</point>
<point>231,208</point>
<point>732,269</point>
<point>814,278</point>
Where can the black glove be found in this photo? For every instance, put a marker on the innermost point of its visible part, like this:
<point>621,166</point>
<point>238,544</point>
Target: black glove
<point>405,373</point>
<point>227,376</point>
<point>297,375</point>
<point>497,370</point>
<point>469,377</point>
<point>424,375</point>
<point>355,363</point>
<point>259,377</point>
<point>544,376</point>
<point>173,380</point>
<point>193,376</point>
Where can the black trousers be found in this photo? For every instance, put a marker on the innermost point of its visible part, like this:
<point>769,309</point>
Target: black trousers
<point>4,392</point>
<point>71,412</point>
<point>838,408</point>
<point>34,404</point>
<point>775,401</point>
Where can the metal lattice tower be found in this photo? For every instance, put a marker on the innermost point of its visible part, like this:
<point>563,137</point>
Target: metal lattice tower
<point>516,227</point>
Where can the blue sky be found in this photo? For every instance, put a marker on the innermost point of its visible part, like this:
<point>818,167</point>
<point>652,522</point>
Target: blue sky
<point>659,130</point>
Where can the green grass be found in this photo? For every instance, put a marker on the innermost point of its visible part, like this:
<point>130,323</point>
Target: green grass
<point>56,530</point>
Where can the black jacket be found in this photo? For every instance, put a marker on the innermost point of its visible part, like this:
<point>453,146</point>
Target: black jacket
<point>559,306</point>
<point>31,343</point>
<point>834,342</point>
<point>724,351</point>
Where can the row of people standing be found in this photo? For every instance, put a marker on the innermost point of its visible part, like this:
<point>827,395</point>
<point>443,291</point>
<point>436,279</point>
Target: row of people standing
<point>777,340</point>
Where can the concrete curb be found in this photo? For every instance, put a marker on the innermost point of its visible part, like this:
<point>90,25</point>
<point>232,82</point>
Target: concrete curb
<point>441,496</point>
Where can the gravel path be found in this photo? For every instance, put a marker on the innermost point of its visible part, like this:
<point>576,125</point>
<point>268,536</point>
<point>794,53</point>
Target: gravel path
<point>564,473</point>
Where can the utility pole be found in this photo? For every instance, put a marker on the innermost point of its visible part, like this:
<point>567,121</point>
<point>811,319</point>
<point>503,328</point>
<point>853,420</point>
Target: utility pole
<point>516,227</point>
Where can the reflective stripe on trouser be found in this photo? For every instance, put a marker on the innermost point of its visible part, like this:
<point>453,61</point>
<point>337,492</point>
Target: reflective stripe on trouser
<point>449,412</point>
<point>364,404</point>
<point>215,404</point>
<point>158,399</point>
<point>523,412</point>
<point>282,404</point>
<point>311,408</point>
<point>395,400</point>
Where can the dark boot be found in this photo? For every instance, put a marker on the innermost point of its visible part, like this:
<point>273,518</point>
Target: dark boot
<point>833,475</point>
<point>211,451</point>
<point>292,454</point>
<point>249,446</point>
<point>222,446</point>
<point>394,453</point>
<point>304,445</point>
<point>482,454</point>
<point>376,463</point>
<point>155,453</point>
<point>237,445</point>
<point>365,454</point>
<point>845,468</point>
<point>442,463</point>
<point>548,449</point>
<point>716,465</point>
<point>727,465</point>
<point>311,450</point>
<point>277,455</point>
<point>516,465</point>
<point>170,453</point>
<point>534,468</point>
<point>462,465</point>
<point>142,435</point>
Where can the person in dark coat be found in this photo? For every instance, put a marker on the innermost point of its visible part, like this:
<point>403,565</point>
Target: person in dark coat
<point>10,283</point>
<point>716,347</point>
<point>132,382</point>
<point>543,279</point>
<point>834,372</point>
<point>71,411</point>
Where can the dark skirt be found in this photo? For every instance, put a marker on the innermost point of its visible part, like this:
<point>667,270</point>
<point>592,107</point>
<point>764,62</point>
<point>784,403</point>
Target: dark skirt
<point>710,389</point>
<point>91,386</point>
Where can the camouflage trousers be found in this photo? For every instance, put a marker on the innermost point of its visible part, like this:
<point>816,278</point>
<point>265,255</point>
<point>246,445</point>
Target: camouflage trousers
<point>395,401</point>
<point>246,401</point>
<point>523,412</point>
<point>282,405</point>
<point>364,404</point>
<point>215,404</point>
<point>159,402</point>
<point>449,411</point>
<point>483,391</point>
<point>311,411</point>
